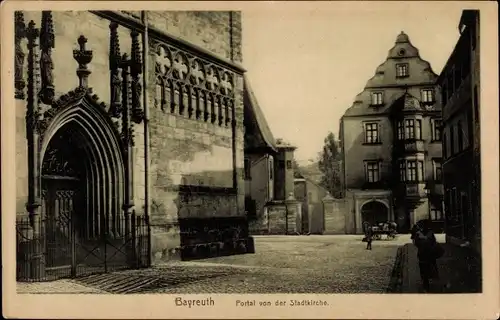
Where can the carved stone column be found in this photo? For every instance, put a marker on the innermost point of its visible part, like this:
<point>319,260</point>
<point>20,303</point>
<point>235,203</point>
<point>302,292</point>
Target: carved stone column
<point>33,138</point>
<point>20,34</point>
<point>128,143</point>
<point>47,43</point>
<point>114,68</point>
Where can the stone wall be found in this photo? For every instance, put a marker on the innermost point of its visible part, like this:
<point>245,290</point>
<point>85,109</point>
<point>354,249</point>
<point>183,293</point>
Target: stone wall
<point>281,217</point>
<point>216,31</point>
<point>335,216</point>
<point>196,156</point>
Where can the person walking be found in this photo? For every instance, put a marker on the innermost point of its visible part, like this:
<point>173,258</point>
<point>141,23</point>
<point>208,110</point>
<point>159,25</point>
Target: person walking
<point>369,237</point>
<point>428,252</point>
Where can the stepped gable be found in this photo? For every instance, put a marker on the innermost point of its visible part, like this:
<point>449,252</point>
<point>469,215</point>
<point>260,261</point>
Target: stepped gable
<point>403,51</point>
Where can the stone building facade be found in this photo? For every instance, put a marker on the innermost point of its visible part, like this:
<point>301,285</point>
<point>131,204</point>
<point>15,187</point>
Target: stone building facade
<point>269,172</point>
<point>391,143</point>
<point>460,87</point>
<point>129,121</point>
<point>311,195</point>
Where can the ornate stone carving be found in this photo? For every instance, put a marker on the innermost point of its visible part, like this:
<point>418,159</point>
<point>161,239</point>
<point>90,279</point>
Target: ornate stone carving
<point>136,71</point>
<point>83,57</point>
<point>20,34</point>
<point>210,88</point>
<point>47,43</point>
<point>32,34</point>
<point>54,163</point>
<point>127,131</point>
<point>114,67</point>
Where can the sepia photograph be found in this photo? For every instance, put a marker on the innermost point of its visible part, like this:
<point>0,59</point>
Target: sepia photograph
<point>243,151</point>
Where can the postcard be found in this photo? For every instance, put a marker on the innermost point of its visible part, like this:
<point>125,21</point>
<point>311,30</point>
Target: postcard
<point>250,159</point>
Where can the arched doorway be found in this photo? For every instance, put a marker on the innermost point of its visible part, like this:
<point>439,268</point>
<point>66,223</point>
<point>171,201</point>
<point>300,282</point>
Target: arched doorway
<point>64,172</point>
<point>374,212</point>
<point>82,179</point>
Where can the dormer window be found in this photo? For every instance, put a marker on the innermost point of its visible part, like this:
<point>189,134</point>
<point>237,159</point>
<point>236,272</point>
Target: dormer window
<point>377,98</point>
<point>402,70</point>
<point>427,95</point>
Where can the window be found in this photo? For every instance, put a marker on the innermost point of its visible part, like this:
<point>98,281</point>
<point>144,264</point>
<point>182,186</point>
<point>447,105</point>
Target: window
<point>437,170</point>
<point>436,214</point>
<point>372,171</point>
<point>377,98</point>
<point>412,171</point>
<point>427,96</point>
<point>402,170</point>
<point>460,136</point>
<point>402,70</point>
<point>371,133</point>
<point>401,130</point>
<point>271,169</point>
<point>436,129</point>
<point>281,164</point>
<point>410,129</point>
<point>289,164</point>
<point>248,175</point>
<point>418,129</point>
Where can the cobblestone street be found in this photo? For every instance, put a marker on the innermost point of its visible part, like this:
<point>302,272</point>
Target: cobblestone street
<point>281,264</point>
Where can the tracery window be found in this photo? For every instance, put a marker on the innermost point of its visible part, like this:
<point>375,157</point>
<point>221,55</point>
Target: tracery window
<point>192,87</point>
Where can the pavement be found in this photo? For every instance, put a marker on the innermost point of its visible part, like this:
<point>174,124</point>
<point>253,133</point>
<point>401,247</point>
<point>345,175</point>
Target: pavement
<point>459,270</point>
<point>290,264</point>
<point>281,264</point>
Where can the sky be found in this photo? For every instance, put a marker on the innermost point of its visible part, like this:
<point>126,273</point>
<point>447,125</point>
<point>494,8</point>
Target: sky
<point>306,65</point>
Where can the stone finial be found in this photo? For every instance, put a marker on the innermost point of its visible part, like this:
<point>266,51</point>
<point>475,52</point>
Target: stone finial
<point>402,38</point>
<point>136,58</point>
<point>114,47</point>
<point>83,57</point>
<point>47,38</point>
<point>32,33</point>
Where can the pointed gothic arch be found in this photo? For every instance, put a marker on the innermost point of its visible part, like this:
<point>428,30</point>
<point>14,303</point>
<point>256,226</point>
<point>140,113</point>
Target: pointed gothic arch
<point>91,135</point>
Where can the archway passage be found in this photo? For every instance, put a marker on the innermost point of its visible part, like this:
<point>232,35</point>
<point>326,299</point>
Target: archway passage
<point>83,190</point>
<point>374,212</point>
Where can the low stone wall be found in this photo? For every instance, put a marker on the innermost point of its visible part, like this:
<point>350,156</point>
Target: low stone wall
<point>335,211</point>
<point>280,217</point>
<point>197,238</point>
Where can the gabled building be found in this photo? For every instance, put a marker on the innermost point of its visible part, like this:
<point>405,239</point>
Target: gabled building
<point>460,88</point>
<point>391,143</point>
<point>269,173</point>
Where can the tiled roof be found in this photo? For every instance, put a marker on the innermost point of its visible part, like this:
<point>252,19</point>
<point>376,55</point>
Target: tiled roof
<point>256,112</point>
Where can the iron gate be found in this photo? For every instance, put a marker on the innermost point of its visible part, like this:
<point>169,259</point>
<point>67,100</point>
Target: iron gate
<point>58,250</point>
